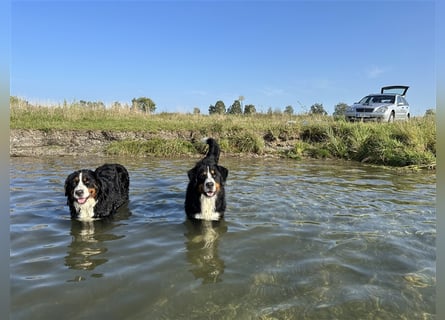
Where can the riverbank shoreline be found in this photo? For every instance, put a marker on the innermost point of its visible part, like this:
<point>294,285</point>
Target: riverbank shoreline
<point>54,142</point>
<point>85,143</point>
<point>40,142</point>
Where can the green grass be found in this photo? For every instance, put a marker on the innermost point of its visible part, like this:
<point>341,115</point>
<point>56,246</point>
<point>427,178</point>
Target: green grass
<point>398,144</point>
<point>156,146</point>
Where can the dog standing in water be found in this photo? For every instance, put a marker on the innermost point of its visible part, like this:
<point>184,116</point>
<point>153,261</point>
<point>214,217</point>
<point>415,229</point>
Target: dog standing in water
<point>205,196</point>
<point>96,194</point>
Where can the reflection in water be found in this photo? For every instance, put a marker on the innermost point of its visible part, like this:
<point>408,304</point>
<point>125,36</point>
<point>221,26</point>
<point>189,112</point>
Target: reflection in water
<point>89,241</point>
<point>202,249</point>
<point>85,250</point>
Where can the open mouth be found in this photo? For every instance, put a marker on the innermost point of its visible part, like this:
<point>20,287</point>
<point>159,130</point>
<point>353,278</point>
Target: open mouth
<point>210,193</point>
<point>82,200</point>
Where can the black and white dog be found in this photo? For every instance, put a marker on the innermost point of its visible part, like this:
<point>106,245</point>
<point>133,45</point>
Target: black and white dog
<point>205,196</point>
<point>96,194</point>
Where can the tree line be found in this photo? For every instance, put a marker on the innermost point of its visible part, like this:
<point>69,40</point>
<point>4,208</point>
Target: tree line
<point>237,108</point>
<point>147,105</point>
<point>143,104</point>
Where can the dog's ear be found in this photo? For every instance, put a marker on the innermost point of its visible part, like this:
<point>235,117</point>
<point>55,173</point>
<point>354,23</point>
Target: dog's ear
<point>67,186</point>
<point>224,172</point>
<point>191,174</point>
<point>102,188</point>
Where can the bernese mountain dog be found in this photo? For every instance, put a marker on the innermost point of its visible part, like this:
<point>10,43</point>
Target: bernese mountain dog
<point>97,194</point>
<point>205,196</point>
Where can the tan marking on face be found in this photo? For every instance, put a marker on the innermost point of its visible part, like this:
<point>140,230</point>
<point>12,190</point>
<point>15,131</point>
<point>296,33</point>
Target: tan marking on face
<point>92,192</point>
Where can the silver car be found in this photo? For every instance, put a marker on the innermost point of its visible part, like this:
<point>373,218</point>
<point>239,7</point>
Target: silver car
<point>387,106</point>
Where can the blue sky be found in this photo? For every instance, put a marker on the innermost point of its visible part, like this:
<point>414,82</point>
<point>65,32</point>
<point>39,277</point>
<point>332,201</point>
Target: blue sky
<point>187,54</point>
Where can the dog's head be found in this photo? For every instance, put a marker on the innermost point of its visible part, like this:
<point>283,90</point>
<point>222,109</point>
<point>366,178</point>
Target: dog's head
<point>82,186</point>
<point>208,179</point>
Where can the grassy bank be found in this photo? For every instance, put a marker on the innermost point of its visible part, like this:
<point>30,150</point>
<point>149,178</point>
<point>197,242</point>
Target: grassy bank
<point>397,144</point>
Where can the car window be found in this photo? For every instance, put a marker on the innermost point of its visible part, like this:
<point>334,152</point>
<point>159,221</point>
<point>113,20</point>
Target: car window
<point>403,100</point>
<point>386,99</point>
<point>365,100</point>
<point>400,100</point>
<point>377,99</point>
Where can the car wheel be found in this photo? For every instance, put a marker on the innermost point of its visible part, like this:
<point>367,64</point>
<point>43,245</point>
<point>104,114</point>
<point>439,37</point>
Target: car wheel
<point>391,117</point>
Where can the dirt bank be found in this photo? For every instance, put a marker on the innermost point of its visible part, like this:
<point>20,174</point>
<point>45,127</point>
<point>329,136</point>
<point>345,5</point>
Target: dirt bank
<point>35,143</point>
<point>31,143</point>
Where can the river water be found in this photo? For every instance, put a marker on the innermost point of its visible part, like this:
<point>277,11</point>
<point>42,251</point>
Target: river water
<point>300,240</point>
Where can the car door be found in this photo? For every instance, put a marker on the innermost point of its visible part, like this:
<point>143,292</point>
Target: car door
<point>401,108</point>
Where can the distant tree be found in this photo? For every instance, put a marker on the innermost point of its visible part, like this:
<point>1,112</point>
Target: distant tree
<point>430,112</point>
<point>144,104</point>
<point>93,105</point>
<point>270,111</point>
<point>218,108</point>
<point>289,110</point>
<point>235,108</point>
<point>249,109</point>
<point>340,109</point>
<point>317,108</point>
<point>196,110</point>
<point>116,105</point>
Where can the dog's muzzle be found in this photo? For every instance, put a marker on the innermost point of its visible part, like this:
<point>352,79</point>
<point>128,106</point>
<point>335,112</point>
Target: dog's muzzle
<point>209,189</point>
<point>80,197</point>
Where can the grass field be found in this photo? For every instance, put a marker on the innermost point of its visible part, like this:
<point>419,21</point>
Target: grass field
<point>398,144</point>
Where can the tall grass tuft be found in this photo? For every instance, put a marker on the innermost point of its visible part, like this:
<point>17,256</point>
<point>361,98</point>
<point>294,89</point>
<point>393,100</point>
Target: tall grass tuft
<point>247,142</point>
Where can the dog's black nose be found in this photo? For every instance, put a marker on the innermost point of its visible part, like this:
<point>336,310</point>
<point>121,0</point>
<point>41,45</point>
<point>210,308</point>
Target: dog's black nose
<point>79,193</point>
<point>210,184</point>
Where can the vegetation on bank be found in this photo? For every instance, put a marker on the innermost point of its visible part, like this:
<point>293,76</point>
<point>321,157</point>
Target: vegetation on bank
<point>398,144</point>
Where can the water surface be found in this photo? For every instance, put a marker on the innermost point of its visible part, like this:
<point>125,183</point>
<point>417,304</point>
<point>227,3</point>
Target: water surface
<point>300,240</point>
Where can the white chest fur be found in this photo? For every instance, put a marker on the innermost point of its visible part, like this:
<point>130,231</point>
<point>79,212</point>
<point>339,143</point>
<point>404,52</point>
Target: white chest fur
<point>86,210</point>
<point>208,209</point>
